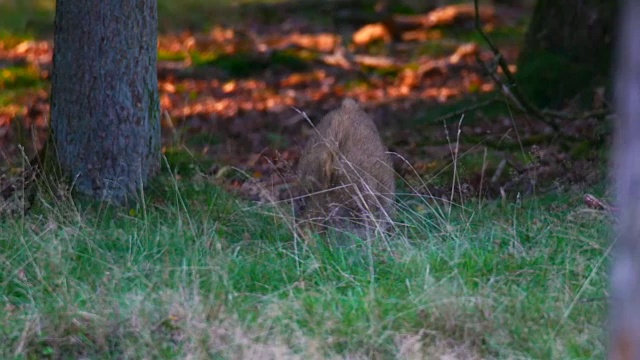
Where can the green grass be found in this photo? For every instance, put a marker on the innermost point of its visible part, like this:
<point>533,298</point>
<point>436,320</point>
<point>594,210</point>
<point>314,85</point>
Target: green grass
<point>502,35</point>
<point>17,82</point>
<point>195,273</point>
<point>15,78</point>
<point>243,64</point>
<point>30,17</point>
<point>437,48</point>
<point>240,64</point>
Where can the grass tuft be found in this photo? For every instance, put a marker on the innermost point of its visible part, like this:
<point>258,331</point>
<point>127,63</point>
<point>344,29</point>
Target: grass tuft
<point>196,273</point>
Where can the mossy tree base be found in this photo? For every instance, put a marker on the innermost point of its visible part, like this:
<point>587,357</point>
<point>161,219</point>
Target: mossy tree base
<point>567,49</point>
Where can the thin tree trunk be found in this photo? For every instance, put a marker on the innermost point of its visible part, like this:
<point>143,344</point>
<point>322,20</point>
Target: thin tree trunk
<point>625,274</point>
<point>104,95</point>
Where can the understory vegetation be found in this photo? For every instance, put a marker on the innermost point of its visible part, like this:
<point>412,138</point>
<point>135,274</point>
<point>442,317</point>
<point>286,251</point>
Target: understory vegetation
<point>209,266</point>
<point>196,273</point>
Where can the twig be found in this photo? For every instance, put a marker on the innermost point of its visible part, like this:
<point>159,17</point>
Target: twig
<point>465,110</point>
<point>511,88</point>
<point>565,116</point>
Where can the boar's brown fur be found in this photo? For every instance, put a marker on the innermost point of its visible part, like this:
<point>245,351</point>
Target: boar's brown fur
<point>346,174</point>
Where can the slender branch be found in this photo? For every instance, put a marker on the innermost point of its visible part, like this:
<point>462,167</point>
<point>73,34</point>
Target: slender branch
<point>511,88</point>
<point>598,113</point>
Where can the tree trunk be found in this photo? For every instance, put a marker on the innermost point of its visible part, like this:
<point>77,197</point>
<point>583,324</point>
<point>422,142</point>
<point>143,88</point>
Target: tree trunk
<point>104,95</point>
<point>567,46</point>
<point>625,274</point>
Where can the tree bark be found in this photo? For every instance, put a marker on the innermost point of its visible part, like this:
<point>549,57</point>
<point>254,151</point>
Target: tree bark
<point>104,95</point>
<point>625,273</point>
<point>567,45</point>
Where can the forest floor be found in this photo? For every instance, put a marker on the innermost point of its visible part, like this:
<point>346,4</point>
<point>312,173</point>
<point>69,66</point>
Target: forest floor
<point>231,97</point>
<point>195,273</point>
